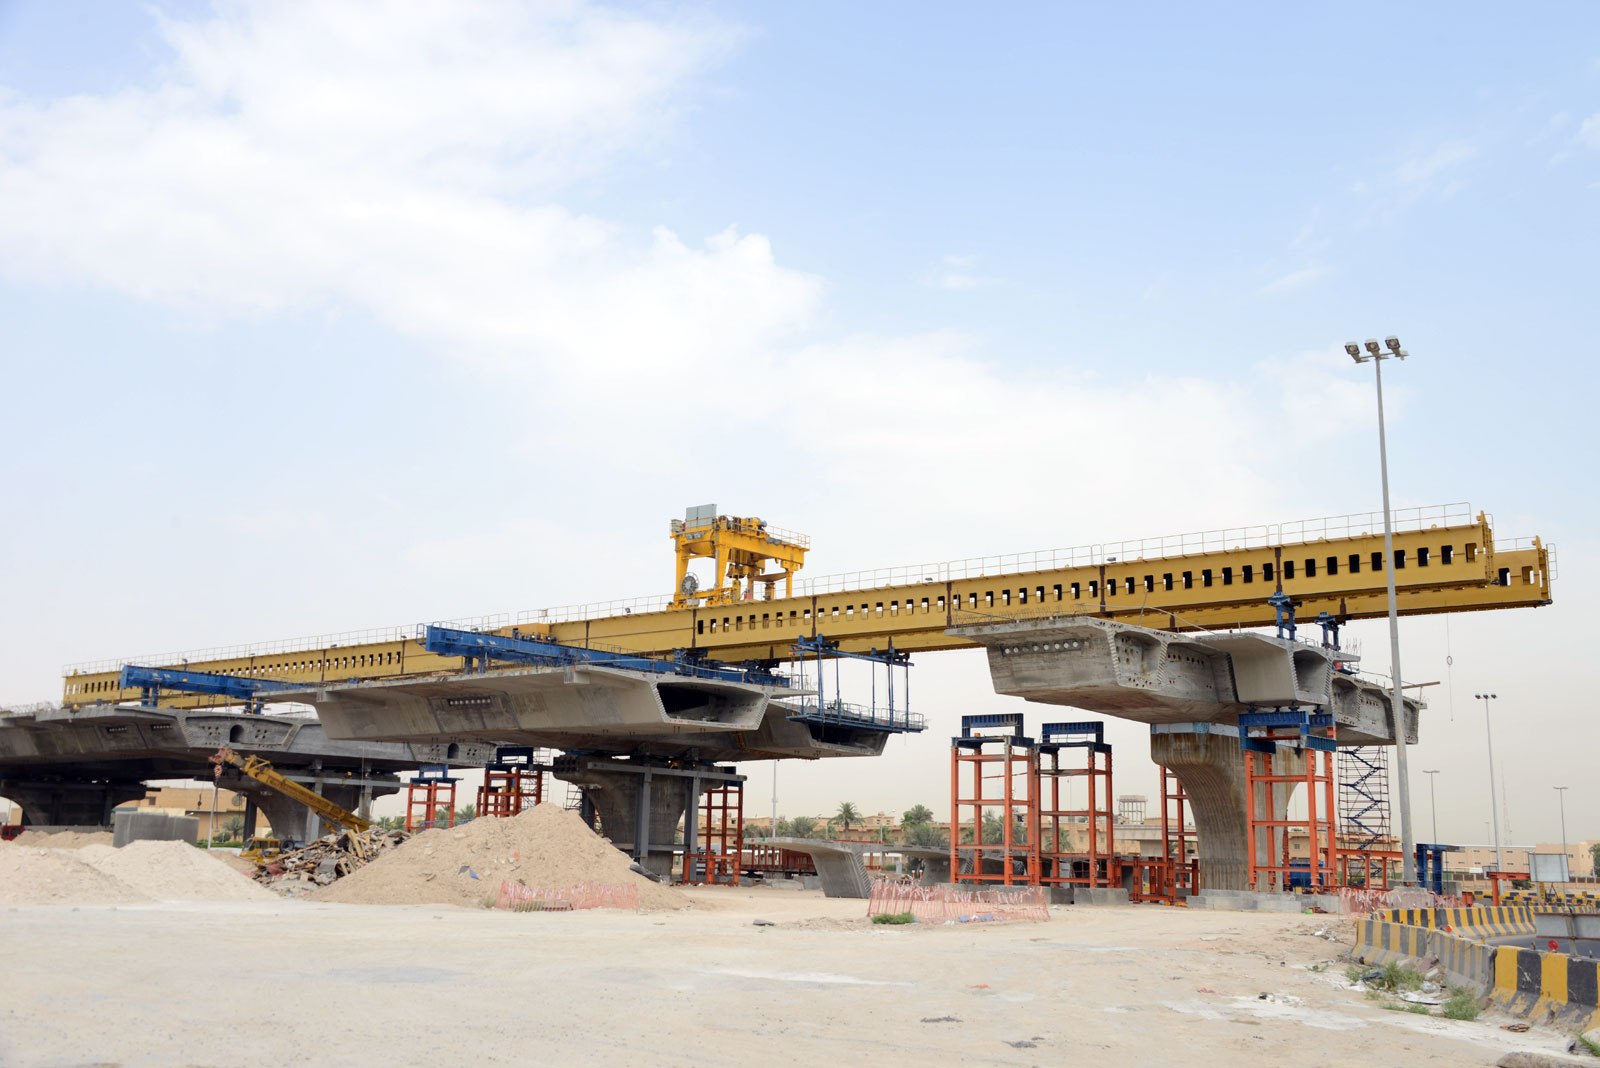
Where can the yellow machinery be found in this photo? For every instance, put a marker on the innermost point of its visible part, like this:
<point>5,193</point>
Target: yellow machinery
<point>1446,560</point>
<point>263,773</point>
<point>741,548</point>
<point>261,850</point>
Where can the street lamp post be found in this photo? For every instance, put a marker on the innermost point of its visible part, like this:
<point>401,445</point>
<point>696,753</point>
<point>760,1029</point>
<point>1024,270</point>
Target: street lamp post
<point>1494,810</point>
<point>1561,792</point>
<point>1397,710</point>
<point>1433,803</point>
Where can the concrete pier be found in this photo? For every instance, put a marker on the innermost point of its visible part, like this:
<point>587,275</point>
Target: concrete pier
<point>1191,688</point>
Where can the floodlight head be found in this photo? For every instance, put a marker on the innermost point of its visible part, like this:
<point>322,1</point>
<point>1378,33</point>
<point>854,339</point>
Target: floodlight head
<point>1392,342</point>
<point>1352,348</point>
<point>1372,345</point>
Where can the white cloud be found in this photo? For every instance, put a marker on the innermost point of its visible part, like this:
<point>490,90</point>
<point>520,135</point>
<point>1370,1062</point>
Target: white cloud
<point>404,162</point>
<point>955,272</point>
<point>1423,169</point>
<point>1296,279</point>
<point>1589,132</point>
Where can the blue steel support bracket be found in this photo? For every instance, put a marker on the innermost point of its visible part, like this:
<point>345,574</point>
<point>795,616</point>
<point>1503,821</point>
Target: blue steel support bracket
<point>151,681</point>
<point>989,720</point>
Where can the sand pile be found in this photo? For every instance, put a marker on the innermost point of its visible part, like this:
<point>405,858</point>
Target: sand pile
<point>174,871</point>
<point>139,873</point>
<point>544,847</point>
<point>33,876</point>
<point>63,839</point>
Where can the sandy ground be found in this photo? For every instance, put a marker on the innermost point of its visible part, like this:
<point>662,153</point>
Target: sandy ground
<point>298,982</point>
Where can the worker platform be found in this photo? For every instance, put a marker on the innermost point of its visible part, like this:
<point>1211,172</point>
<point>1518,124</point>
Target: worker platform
<point>71,767</point>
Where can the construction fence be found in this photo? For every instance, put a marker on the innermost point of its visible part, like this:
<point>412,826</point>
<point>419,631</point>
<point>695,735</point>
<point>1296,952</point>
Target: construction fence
<point>517,897</point>
<point>950,904</point>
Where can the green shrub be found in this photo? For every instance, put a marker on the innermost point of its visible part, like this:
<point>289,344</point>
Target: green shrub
<point>1397,977</point>
<point>895,917</point>
<point>1463,1005</point>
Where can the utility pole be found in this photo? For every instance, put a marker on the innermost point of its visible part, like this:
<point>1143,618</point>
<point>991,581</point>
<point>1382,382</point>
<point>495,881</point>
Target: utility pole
<point>1433,803</point>
<point>1499,862</point>
<point>1561,792</point>
<point>1397,711</point>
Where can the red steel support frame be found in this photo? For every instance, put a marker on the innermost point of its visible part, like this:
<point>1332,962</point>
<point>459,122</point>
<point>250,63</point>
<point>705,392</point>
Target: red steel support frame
<point>1262,786</point>
<point>720,853</point>
<point>1015,765</point>
<point>507,790</point>
<point>1101,867</point>
<point>424,798</point>
<point>1180,843</point>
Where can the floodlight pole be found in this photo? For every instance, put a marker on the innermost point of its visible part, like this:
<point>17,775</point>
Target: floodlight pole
<point>1433,802</point>
<point>1561,792</point>
<point>1408,843</point>
<point>1494,810</point>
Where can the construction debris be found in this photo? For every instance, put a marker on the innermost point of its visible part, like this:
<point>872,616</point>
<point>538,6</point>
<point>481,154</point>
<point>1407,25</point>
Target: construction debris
<point>326,860</point>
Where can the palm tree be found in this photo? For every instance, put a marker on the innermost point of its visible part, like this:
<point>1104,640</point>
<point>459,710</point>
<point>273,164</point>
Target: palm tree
<point>847,815</point>
<point>802,826</point>
<point>390,823</point>
<point>466,812</point>
<point>917,814</point>
<point>232,828</point>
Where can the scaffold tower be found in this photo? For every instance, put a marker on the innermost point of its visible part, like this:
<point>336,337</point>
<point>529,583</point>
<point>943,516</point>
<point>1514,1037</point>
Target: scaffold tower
<point>994,803</point>
<point>1363,799</point>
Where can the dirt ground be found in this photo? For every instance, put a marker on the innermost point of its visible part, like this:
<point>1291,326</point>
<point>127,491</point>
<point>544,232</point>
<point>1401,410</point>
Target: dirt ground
<point>307,983</point>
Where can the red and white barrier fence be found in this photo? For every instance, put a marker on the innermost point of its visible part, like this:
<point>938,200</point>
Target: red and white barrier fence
<point>1356,900</point>
<point>948,904</point>
<point>519,898</point>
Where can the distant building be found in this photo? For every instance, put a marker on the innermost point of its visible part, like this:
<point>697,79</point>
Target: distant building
<point>196,802</point>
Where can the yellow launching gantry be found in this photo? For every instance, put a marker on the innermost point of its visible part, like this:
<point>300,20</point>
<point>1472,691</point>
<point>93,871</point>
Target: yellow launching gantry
<point>741,548</point>
<point>1446,559</point>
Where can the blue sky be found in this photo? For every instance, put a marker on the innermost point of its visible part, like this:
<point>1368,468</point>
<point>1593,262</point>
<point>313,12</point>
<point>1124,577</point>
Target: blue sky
<point>317,319</point>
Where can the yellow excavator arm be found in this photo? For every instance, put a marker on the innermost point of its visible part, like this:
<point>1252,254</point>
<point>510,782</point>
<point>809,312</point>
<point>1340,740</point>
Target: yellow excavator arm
<point>262,772</point>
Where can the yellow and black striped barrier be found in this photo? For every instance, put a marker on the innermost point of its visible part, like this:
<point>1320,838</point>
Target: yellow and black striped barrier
<point>1476,921</point>
<point>1548,987</point>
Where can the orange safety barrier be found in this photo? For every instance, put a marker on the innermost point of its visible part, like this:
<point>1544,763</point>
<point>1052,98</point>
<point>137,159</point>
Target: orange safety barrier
<point>521,898</point>
<point>948,904</point>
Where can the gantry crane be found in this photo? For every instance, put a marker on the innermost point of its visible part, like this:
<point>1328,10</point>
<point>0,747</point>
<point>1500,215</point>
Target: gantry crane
<point>1446,559</point>
<point>741,548</point>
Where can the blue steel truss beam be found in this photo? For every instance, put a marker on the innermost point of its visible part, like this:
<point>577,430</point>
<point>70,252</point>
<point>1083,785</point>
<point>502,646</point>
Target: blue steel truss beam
<point>482,648</point>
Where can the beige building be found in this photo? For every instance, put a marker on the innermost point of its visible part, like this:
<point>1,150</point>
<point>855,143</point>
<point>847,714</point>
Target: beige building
<point>196,802</point>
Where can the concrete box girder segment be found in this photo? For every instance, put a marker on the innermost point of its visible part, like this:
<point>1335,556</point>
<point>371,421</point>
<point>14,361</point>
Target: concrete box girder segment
<point>1154,676</point>
<point>72,766</point>
<point>1191,689</point>
<point>595,709</point>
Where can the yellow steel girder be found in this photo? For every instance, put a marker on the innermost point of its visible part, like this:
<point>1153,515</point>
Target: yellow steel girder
<point>1439,569</point>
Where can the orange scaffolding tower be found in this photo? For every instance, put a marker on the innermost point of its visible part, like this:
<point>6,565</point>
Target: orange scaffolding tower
<point>717,854</point>
<point>1007,853</point>
<point>1098,866</point>
<point>1179,876</point>
<point>432,789</point>
<point>512,781</point>
<point>1270,740</point>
